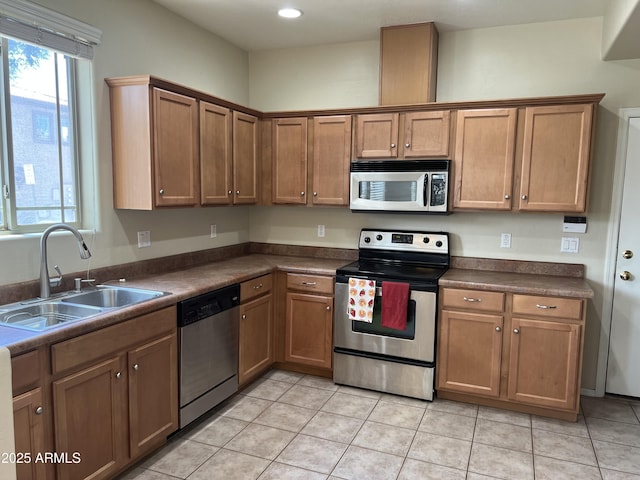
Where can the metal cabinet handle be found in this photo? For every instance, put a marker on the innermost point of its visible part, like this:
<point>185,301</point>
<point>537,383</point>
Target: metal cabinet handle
<point>625,275</point>
<point>244,316</point>
<point>393,145</point>
<point>118,375</point>
<point>161,191</point>
<point>328,307</point>
<point>302,194</point>
<point>507,197</point>
<point>470,299</point>
<point>545,307</point>
<point>237,192</point>
<point>257,287</point>
<point>498,329</point>
<point>524,197</point>
<point>309,284</point>
<point>407,145</point>
<point>230,192</point>
<point>136,366</point>
<point>516,331</point>
<point>39,410</point>
<point>315,194</point>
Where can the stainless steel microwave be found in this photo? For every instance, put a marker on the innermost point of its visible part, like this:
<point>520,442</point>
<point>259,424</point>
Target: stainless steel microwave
<point>418,186</point>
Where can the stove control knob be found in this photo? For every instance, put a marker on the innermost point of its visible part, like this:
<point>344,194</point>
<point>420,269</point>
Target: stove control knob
<point>367,239</point>
<point>378,237</point>
<point>425,240</point>
<point>438,243</point>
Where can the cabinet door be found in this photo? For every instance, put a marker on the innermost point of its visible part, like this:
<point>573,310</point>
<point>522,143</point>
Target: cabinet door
<point>90,412</point>
<point>153,393</point>
<point>469,352</point>
<point>483,159</point>
<point>377,135</point>
<point>331,159</point>
<point>29,434</point>
<point>175,147</point>
<point>309,329</point>
<point>256,338</point>
<point>555,158</point>
<point>245,158</point>
<point>426,134</point>
<point>289,145</point>
<point>543,363</point>
<point>215,155</point>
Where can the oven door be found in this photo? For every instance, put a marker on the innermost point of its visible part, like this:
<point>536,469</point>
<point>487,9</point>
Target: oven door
<point>415,342</point>
<point>389,191</point>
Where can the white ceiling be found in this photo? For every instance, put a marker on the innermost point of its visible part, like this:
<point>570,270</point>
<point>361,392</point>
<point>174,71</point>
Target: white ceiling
<point>254,25</point>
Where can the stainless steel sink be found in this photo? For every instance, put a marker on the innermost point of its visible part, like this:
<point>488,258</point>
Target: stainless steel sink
<point>41,316</point>
<point>106,296</point>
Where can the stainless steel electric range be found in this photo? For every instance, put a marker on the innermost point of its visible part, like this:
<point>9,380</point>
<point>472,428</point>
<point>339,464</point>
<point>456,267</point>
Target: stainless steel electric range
<point>370,350</point>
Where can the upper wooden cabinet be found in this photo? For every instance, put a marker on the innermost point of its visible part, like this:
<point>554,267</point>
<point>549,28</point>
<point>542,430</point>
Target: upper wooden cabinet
<point>421,134</point>
<point>555,158</point>
<point>542,163</point>
<point>310,160</point>
<point>171,148</point>
<point>483,158</point>
<point>289,157</point>
<point>331,154</point>
<point>408,64</point>
<point>154,139</point>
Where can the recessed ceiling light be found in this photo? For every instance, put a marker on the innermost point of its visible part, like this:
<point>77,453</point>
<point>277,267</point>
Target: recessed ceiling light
<point>290,12</point>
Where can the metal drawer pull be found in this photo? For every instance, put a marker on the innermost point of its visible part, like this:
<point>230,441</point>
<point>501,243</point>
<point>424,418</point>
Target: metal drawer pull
<point>309,284</point>
<point>118,375</point>
<point>39,410</point>
<point>516,331</point>
<point>136,366</point>
<point>470,299</point>
<point>498,329</point>
<point>256,287</point>
<point>545,307</point>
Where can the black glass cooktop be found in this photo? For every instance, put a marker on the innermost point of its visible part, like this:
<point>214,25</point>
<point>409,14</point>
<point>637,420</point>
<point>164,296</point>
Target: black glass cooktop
<point>399,271</point>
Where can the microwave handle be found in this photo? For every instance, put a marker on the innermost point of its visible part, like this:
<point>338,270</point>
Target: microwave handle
<point>425,191</point>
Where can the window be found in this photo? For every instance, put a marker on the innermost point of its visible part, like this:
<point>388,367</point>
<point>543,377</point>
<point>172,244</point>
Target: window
<point>40,176</point>
<point>41,55</point>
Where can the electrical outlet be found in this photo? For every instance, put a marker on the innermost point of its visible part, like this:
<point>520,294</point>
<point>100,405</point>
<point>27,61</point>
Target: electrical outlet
<point>321,230</point>
<point>505,240</point>
<point>214,231</point>
<point>144,239</point>
<point>570,245</point>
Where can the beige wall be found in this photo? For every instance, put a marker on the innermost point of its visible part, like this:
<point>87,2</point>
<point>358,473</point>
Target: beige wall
<point>545,59</point>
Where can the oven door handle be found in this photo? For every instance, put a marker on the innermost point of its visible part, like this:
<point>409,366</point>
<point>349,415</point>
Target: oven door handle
<point>425,191</point>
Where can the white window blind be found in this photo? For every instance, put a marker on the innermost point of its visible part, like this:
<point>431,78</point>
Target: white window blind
<point>29,22</point>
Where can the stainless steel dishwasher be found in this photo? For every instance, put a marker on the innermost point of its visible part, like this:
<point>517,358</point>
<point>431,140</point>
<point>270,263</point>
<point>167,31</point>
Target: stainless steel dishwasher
<point>208,328</point>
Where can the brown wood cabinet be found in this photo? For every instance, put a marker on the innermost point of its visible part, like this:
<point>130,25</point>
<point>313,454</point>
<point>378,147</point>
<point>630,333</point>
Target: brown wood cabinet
<point>29,431</point>
<point>246,174</point>
<point>115,394</point>
<point>256,349</point>
<point>544,166</point>
<point>331,155</point>
<point>309,320</point>
<point>484,158</point>
<point>216,172</point>
<point>555,158</point>
<point>513,351</point>
<point>154,140</point>
<point>421,134</point>
<point>289,160</point>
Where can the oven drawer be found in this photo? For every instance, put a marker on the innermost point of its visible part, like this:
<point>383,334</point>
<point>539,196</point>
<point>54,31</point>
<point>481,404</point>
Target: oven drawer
<point>554,307</point>
<point>473,299</point>
<point>310,283</point>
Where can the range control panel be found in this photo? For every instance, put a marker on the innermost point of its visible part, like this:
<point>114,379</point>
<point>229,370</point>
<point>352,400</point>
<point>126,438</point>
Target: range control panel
<point>406,241</point>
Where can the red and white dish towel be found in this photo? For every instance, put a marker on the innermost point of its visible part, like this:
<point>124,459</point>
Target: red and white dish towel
<point>362,293</point>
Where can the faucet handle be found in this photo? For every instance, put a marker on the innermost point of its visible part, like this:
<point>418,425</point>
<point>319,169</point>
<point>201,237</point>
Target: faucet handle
<point>57,281</point>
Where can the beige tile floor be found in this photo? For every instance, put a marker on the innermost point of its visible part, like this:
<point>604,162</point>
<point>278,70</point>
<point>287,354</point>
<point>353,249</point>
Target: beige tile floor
<point>292,426</point>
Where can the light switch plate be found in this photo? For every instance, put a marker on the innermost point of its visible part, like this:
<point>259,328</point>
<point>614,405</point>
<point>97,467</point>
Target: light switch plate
<point>505,240</point>
<point>321,230</point>
<point>214,230</point>
<point>570,245</point>
<point>144,239</point>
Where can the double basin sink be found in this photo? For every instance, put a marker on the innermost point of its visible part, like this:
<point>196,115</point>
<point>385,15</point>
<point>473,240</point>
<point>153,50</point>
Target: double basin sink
<point>38,315</point>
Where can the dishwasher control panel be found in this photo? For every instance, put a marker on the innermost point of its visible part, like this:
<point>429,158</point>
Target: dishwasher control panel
<point>208,304</point>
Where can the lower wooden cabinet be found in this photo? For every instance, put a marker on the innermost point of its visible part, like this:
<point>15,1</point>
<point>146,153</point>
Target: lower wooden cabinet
<point>309,320</point>
<point>30,440</point>
<point>513,351</point>
<point>115,395</point>
<point>256,328</point>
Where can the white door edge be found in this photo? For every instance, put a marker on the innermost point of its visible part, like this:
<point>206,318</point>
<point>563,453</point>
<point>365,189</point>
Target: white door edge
<point>625,114</point>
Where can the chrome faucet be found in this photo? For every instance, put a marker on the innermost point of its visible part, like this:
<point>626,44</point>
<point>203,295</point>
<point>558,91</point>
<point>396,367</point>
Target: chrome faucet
<point>45,282</point>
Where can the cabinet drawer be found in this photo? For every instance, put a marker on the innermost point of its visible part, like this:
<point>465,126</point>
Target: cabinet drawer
<point>25,371</point>
<point>89,348</point>
<point>473,299</point>
<point>255,287</point>
<point>310,283</point>
<point>554,307</point>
